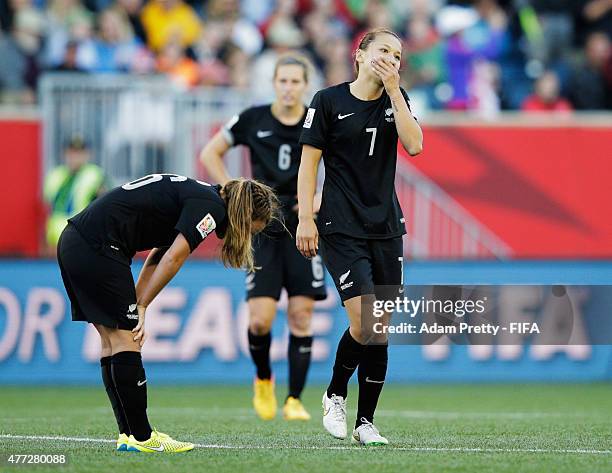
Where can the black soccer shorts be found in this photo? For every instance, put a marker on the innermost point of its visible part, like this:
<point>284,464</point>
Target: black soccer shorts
<point>101,289</point>
<point>357,265</point>
<point>282,265</point>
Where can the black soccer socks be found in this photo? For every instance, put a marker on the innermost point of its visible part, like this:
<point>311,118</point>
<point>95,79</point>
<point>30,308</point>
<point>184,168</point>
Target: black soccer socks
<point>259,346</point>
<point>348,356</point>
<point>113,396</point>
<point>299,361</point>
<point>371,375</point>
<point>131,383</point>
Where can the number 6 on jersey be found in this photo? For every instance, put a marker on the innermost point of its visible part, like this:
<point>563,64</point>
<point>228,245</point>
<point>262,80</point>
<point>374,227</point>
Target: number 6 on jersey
<point>284,157</point>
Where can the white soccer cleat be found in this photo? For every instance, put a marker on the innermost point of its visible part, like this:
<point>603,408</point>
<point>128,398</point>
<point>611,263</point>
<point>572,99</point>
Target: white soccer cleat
<point>334,415</point>
<point>368,435</point>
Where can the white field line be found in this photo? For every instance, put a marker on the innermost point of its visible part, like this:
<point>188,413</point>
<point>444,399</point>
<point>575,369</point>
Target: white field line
<point>330,447</point>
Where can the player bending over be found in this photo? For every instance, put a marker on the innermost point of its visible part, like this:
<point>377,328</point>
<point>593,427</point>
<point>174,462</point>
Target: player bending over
<point>169,215</point>
<point>271,132</point>
<point>356,127</point>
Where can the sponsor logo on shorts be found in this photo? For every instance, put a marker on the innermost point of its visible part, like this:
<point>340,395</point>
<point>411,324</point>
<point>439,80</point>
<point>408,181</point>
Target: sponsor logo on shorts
<point>140,383</point>
<point>343,278</point>
<point>132,314</point>
<point>318,283</point>
<point>206,225</point>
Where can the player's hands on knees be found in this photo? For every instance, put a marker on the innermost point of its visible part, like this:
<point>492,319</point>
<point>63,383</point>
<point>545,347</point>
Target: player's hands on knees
<point>388,73</point>
<point>307,238</point>
<point>139,330</point>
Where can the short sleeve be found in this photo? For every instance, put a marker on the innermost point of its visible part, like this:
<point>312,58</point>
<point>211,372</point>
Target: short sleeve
<point>407,99</point>
<point>198,219</point>
<point>235,131</point>
<point>316,123</point>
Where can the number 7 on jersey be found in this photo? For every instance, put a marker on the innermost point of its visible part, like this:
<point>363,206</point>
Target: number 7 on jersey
<point>373,131</point>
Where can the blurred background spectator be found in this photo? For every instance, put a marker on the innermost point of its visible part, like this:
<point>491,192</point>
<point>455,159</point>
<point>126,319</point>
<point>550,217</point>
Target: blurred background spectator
<point>482,55</point>
<point>546,96</point>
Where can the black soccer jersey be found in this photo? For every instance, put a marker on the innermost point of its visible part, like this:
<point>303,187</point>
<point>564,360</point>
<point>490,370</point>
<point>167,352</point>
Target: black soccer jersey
<point>359,143</point>
<point>274,149</point>
<point>149,212</point>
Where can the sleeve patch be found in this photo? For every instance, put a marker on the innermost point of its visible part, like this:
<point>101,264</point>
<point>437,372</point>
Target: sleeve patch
<point>309,117</point>
<point>206,225</point>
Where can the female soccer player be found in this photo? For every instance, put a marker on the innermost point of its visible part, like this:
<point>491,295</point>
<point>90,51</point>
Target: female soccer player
<point>170,215</point>
<point>271,132</point>
<point>356,127</point>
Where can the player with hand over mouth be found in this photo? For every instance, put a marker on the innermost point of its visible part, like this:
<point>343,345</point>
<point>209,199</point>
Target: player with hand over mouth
<point>356,126</point>
<point>169,215</point>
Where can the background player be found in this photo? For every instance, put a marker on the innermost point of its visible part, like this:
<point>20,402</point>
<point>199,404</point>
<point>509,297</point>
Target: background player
<point>356,126</point>
<point>271,132</point>
<point>169,215</point>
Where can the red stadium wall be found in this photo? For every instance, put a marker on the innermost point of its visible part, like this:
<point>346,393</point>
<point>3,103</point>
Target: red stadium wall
<point>544,191</point>
<point>20,192</point>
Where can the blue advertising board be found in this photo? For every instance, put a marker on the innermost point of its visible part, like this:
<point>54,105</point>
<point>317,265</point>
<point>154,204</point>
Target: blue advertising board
<point>197,327</point>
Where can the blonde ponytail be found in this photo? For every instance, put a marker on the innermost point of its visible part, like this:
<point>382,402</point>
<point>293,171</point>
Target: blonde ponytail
<point>247,201</point>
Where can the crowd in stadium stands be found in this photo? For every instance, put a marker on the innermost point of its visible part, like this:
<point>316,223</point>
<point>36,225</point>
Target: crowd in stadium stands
<point>535,55</point>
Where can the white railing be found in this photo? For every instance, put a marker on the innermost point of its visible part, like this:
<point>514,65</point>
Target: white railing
<point>139,125</point>
<point>437,226</point>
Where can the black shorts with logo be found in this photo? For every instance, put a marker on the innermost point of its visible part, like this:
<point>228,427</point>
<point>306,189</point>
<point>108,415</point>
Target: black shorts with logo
<point>101,289</point>
<point>282,265</point>
<point>357,265</point>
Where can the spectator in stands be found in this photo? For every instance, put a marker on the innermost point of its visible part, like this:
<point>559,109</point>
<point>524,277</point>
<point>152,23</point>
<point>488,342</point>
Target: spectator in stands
<point>597,16</point>
<point>69,63</point>
<point>208,51</point>
<point>71,187</point>
<point>130,10</point>
<point>546,97</point>
<point>239,30</point>
<point>114,47</point>
<point>168,21</point>
<point>238,65</point>
<point>12,71</point>
<point>68,20</point>
<point>20,48</point>
<point>554,33</point>
<point>338,65</point>
<point>588,87</point>
<point>325,23</point>
<point>423,57</point>
<point>183,70</point>
<point>475,41</point>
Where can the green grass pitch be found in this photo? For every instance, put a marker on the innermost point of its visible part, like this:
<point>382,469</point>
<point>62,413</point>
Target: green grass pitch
<point>458,428</point>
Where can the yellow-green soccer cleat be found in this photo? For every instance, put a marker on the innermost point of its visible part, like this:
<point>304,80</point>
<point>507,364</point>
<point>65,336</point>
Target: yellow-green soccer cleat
<point>294,410</point>
<point>264,400</point>
<point>122,443</point>
<point>158,443</point>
